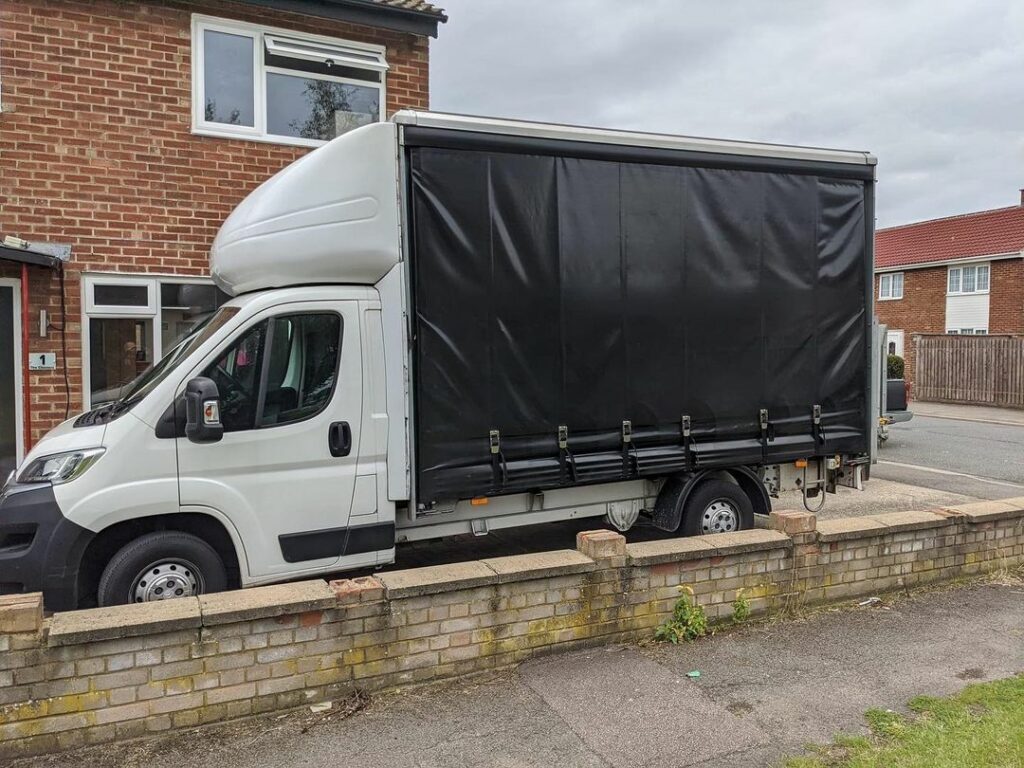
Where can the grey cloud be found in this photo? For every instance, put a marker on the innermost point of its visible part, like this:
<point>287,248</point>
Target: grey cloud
<point>933,88</point>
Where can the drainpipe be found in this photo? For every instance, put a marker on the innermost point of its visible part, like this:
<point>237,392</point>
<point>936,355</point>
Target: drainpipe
<point>26,408</point>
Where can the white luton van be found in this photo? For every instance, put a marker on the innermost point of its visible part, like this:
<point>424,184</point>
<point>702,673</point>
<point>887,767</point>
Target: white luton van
<point>443,325</point>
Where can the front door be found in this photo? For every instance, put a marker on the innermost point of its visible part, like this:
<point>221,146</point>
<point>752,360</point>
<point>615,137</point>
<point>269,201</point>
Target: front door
<point>290,386</point>
<point>10,378</point>
<point>894,343</point>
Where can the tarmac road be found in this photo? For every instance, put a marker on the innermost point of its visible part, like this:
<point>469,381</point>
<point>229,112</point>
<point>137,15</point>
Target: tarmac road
<point>974,458</point>
<point>763,692</point>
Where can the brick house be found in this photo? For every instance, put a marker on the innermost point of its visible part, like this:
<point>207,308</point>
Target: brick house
<point>961,274</point>
<point>128,131</point>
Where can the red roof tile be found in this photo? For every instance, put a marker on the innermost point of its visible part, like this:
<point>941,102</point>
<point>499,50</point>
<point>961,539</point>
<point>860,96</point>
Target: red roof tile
<point>985,233</point>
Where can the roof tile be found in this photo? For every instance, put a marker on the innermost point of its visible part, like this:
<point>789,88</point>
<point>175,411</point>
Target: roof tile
<point>970,235</point>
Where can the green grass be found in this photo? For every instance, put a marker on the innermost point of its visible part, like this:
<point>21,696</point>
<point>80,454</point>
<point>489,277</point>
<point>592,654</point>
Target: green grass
<point>981,726</point>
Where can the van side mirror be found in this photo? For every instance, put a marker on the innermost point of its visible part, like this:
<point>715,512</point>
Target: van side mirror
<point>202,411</point>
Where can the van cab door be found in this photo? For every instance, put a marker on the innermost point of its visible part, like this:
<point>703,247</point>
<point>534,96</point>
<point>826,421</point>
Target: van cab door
<point>284,473</point>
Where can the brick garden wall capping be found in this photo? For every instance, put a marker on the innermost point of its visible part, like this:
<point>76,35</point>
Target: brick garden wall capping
<point>99,675</point>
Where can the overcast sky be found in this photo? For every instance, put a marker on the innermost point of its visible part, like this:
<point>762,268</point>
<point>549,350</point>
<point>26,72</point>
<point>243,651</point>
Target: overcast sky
<point>934,88</point>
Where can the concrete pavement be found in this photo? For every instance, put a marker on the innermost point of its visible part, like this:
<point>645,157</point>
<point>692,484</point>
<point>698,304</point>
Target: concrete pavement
<point>763,692</point>
<point>981,413</point>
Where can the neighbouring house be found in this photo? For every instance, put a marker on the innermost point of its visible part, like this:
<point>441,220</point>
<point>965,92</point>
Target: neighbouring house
<point>128,131</point>
<point>961,274</point>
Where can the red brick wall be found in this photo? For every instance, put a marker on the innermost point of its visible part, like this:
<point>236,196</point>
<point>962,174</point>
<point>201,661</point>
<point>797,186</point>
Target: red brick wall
<point>1006,297</point>
<point>921,310</point>
<point>923,306</point>
<point>96,148</point>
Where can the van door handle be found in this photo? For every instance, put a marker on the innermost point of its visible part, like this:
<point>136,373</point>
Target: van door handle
<point>339,438</point>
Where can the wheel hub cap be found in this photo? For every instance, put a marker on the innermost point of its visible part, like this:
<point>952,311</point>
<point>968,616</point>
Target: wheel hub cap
<point>165,581</point>
<point>720,516</point>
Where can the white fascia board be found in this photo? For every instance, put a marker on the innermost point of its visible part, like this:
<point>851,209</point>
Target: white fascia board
<point>627,138</point>
<point>948,262</point>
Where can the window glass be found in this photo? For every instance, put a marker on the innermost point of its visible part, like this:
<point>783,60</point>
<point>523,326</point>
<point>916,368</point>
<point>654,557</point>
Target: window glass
<point>120,295</point>
<point>237,376</point>
<point>302,367</point>
<point>884,285</point>
<point>145,383</point>
<point>284,369</point>
<point>954,280</point>
<point>183,306</point>
<point>967,280</point>
<point>120,350</point>
<point>983,278</point>
<point>897,285</point>
<point>310,108</point>
<point>326,67</point>
<point>228,78</point>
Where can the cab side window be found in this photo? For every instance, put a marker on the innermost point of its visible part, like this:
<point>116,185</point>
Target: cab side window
<point>302,367</point>
<point>281,371</point>
<point>237,376</point>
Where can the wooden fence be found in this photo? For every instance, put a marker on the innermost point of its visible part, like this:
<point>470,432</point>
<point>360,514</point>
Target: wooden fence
<point>982,370</point>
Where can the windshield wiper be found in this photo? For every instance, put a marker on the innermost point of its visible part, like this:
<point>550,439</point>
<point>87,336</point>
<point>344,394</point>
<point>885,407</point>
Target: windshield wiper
<point>100,415</point>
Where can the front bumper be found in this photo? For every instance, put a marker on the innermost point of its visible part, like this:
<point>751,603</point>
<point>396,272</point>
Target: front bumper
<point>40,549</point>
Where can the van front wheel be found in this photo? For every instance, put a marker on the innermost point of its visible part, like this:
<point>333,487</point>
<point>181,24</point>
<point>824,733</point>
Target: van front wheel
<point>161,566</point>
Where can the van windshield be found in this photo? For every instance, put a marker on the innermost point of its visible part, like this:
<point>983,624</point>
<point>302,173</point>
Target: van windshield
<point>134,391</point>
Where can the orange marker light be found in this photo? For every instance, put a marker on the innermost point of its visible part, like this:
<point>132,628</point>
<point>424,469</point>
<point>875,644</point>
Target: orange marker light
<point>479,501</point>
<point>800,463</point>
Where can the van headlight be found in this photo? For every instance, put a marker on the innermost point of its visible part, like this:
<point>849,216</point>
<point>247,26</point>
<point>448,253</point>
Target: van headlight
<point>59,467</point>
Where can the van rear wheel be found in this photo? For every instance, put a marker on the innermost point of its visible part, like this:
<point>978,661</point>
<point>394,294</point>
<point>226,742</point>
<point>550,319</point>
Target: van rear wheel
<point>717,506</point>
<point>161,566</point>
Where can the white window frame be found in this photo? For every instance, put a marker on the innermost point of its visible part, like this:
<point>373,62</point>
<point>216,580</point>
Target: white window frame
<point>886,288</point>
<point>118,310</point>
<point>958,270</point>
<point>92,311</point>
<point>968,331</point>
<point>258,33</point>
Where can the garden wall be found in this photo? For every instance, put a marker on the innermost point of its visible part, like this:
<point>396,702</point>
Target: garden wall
<point>105,674</point>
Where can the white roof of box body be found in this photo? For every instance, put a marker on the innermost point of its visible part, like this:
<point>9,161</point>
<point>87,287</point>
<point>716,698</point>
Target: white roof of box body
<point>329,217</point>
<point>532,129</point>
<point>333,216</point>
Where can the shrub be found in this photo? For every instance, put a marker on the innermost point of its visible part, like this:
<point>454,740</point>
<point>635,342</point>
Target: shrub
<point>895,367</point>
<point>740,608</point>
<point>687,622</point>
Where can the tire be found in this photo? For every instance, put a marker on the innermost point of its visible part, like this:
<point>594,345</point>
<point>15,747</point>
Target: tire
<point>728,507</point>
<point>177,564</point>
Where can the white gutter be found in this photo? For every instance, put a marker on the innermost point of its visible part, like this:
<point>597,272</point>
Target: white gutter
<point>947,262</point>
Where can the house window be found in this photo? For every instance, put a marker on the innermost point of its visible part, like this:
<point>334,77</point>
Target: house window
<point>969,279</point>
<point>131,322</point>
<point>890,286</point>
<point>967,332</point>
<point>273,85</point>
